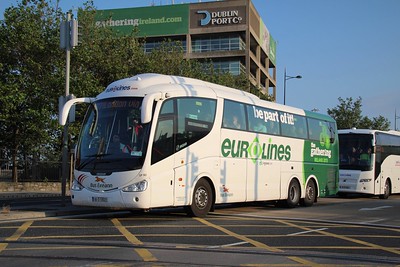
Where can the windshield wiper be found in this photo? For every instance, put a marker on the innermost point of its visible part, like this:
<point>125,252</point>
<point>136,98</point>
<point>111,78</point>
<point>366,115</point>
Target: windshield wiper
<point>92,158</point>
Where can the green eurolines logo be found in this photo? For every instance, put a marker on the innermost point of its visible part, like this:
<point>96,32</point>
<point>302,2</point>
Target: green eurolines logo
<point>255,150</point>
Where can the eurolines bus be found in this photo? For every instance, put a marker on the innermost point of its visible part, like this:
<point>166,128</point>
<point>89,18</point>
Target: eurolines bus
<point>165,141</point>
<point>369,162</point>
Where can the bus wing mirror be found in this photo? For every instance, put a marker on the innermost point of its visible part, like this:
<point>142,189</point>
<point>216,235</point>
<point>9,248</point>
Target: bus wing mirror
<point>66,107</point>
<point>147,106</point>
<point>332,140</point>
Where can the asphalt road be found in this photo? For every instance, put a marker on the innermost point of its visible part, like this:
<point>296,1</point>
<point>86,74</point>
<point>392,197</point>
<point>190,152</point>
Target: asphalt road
<point>355,231</point>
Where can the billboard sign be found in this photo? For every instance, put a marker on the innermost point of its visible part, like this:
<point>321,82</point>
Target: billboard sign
<point>150,21</point>
<point>214,17</point>
<point>267,43</point>
<point>272,50</point>
<point>264,37</point>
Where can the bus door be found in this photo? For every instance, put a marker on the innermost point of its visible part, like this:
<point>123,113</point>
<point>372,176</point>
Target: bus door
<point>385,168</point>
<point>194,144</point>
<point>162,161</point>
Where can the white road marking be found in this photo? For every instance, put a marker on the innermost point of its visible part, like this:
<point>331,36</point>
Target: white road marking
<point>306,232</point>
<point>374,221</point>
<point>229,245</point>
<point>376,208</point>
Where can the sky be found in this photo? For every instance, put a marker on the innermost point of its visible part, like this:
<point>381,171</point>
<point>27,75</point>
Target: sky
<point>341,48</point>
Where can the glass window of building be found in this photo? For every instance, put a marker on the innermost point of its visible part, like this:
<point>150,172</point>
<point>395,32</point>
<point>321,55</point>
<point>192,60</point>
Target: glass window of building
<point>149,46</point>
<point>218,43</point>
<point>235,67</point>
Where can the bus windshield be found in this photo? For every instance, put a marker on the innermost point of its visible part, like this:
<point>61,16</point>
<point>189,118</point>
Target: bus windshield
<point>112,138</point>
<point>355,151</point>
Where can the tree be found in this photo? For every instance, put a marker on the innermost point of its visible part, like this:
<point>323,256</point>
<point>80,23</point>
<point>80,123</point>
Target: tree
<point>29,78</point>
<point>348,114</point>
<point>380,123</point>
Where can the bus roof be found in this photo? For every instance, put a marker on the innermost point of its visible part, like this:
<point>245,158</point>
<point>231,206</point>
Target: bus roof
<point>367,131</point>
<point>143,84</point>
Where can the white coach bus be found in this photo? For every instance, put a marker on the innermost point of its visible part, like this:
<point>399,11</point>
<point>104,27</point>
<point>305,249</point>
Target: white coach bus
<point>369,162</point>
<point>166,141</point>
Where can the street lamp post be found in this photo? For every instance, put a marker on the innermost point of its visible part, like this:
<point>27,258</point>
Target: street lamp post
<point>395,120</point>
<point>68,40</point>
<point>284,84</point>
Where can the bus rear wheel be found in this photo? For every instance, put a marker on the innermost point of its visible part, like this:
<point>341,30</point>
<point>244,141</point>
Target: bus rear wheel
<point>293,194</point>
<point>202,199</point>
<point>386,190</point>
<point>310,195</point>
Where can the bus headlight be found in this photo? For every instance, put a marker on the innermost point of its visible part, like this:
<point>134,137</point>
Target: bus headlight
<point>137,187</point>
<point>76,186</point>
<point>365,180</point>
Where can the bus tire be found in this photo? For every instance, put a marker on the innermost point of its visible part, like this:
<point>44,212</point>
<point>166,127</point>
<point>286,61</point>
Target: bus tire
<point>310,195</point>
<point>293,194</point>
<point>386,191</point>
<point>202,199</point>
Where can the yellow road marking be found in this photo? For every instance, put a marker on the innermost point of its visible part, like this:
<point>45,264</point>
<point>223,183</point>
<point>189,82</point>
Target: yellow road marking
<point>143,253</point>
<point>304,262</point>
<point>241,237</point>
<point>20,231</point>
<point>3,246</point>
<point>255,243</point>
<point>353,240</point>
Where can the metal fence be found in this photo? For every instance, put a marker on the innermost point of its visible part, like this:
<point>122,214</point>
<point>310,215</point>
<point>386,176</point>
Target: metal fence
<point>44,171</point>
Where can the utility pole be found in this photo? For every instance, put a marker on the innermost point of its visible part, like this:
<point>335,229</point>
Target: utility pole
<point>68,40</point>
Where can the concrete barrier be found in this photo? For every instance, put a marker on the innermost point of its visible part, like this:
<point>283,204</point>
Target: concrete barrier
<point>45,187</point>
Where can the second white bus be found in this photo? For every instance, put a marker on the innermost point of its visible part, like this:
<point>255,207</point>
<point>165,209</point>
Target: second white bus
<point>369,162</point>
<point>160,141</point>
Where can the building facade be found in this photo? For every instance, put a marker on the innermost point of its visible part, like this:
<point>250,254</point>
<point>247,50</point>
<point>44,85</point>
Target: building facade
<point>229,33</point>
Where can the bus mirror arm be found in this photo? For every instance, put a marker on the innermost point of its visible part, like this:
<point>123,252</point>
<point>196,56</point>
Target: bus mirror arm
<point>147,106</point>
<point>63,114</point>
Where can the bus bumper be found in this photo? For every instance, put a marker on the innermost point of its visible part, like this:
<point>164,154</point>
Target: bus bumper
<point>115,199</point>
<point>356,185</point>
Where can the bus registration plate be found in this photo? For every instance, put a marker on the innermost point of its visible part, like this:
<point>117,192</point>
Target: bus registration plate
<point>99,199</point>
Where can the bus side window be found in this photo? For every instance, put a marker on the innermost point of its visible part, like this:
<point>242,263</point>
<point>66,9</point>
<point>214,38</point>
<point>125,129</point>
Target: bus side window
<point>234,116</point>
<point>332,131</point>
<point>296,128</point>
<point>273,127</point>
<point>195,120</point>
<point>301,127</point>
<point>314,129</point>
<point>163,145</point>
<point>322,131</point>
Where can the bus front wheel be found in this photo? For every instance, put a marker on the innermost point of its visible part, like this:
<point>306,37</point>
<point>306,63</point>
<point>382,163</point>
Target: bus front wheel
<point>293,194</point>
<point>310,196</point>
<point>202,199</point>
<point>386,190</point>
